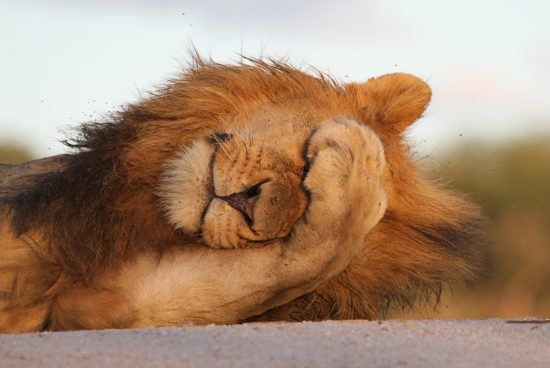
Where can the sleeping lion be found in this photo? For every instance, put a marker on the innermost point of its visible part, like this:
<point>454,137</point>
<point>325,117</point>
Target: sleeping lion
<point>248,192</point>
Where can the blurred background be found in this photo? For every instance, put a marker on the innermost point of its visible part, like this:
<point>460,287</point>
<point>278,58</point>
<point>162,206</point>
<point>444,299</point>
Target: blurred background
<point>487,130</point>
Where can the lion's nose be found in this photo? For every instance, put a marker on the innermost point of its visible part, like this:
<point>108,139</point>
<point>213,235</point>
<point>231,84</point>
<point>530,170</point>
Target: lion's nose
<point>245,201</point>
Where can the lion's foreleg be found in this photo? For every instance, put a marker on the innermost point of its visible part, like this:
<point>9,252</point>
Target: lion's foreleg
<point>226,286</point>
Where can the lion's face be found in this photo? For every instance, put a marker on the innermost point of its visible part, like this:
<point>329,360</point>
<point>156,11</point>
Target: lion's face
<point>242,186</point>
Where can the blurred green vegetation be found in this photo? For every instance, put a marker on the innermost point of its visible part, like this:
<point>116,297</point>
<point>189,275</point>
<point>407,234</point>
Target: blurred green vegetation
<point>14,154</point>
<point>511,181</point>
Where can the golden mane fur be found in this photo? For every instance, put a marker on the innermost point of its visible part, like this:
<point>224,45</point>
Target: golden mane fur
<point>104,205</point>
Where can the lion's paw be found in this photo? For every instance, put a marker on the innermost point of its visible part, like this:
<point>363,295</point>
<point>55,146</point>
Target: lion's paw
<point>345,176</point>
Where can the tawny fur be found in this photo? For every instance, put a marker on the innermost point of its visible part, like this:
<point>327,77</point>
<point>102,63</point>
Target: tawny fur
<point>70,237</point>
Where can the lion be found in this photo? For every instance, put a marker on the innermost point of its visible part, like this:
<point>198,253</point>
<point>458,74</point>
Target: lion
<point>253,191</point>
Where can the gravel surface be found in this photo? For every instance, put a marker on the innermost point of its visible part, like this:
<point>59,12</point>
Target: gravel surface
<point>423,343</point>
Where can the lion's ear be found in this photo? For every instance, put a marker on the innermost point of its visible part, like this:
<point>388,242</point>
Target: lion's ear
<point>394,101</point>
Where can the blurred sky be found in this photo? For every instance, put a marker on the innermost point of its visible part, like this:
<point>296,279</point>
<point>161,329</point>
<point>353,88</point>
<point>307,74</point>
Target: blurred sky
<point>488,62</point>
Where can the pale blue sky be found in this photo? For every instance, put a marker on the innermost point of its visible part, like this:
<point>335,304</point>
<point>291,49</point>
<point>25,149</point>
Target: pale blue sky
<point>488,62</point>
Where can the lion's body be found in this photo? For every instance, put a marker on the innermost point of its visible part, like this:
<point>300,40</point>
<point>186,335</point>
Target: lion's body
<point>95,243</point>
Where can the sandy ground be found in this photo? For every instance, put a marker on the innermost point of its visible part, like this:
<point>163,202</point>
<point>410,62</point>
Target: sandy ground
<point>424,343</point>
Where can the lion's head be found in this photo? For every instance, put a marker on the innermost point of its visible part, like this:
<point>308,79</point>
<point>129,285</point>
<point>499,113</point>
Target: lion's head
<point>216,158</point>
<point>241,183</point>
